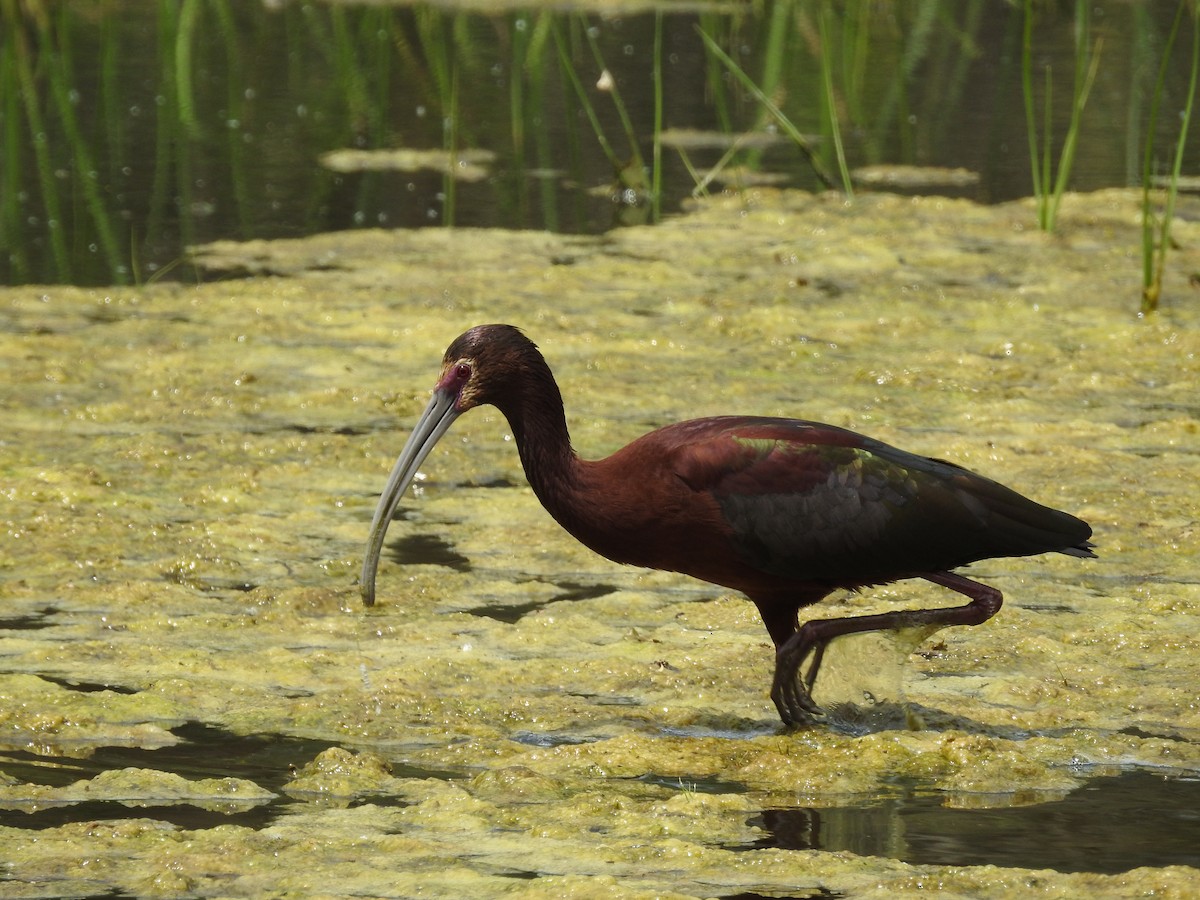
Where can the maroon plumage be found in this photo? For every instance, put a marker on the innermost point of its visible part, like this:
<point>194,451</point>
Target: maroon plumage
<point>784,510</point>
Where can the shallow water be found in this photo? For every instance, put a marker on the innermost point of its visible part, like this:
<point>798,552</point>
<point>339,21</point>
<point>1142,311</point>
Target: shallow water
<point>1108,825</point>
<point>189,473</point>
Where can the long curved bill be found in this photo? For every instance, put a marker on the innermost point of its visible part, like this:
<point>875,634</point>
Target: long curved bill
<point>439,415</point>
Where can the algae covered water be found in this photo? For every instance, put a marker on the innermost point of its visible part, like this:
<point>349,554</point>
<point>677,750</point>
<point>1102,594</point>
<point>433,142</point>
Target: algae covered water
<point>194,703</point>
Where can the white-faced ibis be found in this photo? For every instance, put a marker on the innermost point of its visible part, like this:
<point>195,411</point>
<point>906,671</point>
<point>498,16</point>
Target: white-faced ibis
<point>784,510</point>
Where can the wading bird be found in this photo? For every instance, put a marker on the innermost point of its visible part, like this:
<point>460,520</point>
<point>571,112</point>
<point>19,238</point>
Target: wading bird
<point>783,510</point>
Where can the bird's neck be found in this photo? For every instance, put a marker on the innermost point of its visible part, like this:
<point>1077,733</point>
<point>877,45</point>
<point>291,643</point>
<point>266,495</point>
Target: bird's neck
<point>539,426</point>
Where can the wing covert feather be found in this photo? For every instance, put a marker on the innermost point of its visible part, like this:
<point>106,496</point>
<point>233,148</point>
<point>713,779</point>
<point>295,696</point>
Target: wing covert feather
<point>805,500</point>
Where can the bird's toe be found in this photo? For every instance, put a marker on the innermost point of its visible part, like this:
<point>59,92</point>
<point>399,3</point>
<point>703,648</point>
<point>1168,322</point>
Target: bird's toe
<point>796,706</point>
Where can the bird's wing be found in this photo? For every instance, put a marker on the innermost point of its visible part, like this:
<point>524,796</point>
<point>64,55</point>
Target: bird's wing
<point>813,501</point>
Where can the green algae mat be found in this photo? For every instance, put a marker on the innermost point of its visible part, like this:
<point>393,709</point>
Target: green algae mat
<point>193,701</point>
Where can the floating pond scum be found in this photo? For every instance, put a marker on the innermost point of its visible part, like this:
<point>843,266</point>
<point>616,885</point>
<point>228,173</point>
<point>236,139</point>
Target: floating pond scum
<point>193,701</point>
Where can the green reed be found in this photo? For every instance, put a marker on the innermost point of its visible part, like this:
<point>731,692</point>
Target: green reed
<point>185,38</point>
<point>235,105</point>
<point>436,31</point>
<point>533,66</point>
<point>847,68</point>
<point>10,181</point>
<point>656,166</point>
<point>520,81</point>
<point>86,173</point>
<point>567,68</point>
<point>918,40</point>
<point>717,25</point>
<point>1087,61</point>
<point>20,81</point>
<point>840,49</point>
<point>778,34</point>
<point>630,173</point>
<point>781,119</point>
<point>831,116</point>
<point>351,51</point>
<point>1156,230</point>
<point>171,186</point>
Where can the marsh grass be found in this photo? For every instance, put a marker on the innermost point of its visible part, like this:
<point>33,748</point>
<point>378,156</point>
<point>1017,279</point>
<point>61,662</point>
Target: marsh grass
<point>527,97</point>
<point>1050,184</point>
<point>568,69</point>
<point>1156,230</point>
<point>19,81</point>
<point>785,124</point>
<point>217,156</point>
<point>634,184</point>
<point>442,49</point>
<point>656,164</point>
<point>831,117</point>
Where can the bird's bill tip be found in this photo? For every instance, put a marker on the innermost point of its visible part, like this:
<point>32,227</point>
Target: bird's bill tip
<point>367,590</point>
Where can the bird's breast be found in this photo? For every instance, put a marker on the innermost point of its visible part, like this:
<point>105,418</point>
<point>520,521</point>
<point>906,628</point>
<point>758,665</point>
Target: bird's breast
<point>658,522</point>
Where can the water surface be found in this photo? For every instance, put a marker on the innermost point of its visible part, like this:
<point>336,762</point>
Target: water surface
<point>134,130</point>
<point>189,472</point>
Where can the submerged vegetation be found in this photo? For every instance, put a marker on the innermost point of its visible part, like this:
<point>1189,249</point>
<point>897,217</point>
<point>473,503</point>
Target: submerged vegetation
<point>130,135</point>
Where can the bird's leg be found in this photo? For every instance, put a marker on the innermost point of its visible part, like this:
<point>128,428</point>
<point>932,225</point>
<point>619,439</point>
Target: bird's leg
<point>793,694</point>
<point>811,678</point>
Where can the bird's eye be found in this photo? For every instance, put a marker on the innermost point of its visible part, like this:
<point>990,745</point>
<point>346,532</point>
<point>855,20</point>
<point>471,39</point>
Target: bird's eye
<point>462,372</point>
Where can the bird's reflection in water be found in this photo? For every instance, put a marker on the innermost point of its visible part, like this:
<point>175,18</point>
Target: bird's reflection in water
<point>1108,825</point>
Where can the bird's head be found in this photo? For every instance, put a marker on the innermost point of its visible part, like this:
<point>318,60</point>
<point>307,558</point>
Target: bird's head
<point>488,364</point>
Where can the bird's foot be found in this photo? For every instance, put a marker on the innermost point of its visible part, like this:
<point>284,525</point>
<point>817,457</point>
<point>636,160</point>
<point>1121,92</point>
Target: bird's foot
<point>796,707</point>
<point>792,692</point>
